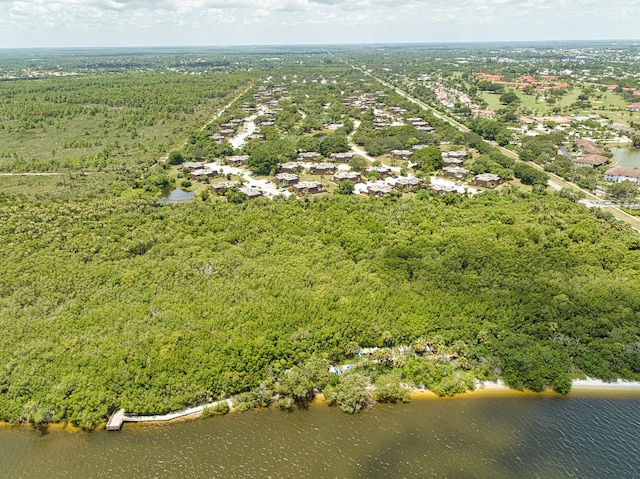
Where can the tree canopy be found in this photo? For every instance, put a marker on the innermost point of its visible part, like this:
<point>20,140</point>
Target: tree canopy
<point>119,302</point>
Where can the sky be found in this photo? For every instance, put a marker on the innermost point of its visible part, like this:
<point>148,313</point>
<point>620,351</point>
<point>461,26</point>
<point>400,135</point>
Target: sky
<point>96,23</point>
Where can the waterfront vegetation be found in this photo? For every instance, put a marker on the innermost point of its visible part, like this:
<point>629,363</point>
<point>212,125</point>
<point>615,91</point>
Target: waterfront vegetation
<point>117,302</point>
<point>109,300</point>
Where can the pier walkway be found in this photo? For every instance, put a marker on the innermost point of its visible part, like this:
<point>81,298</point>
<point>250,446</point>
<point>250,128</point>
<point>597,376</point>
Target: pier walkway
<point>120,417</point>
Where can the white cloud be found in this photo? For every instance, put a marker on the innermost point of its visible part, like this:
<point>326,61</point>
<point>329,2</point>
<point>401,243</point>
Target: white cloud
<point>71,22</point>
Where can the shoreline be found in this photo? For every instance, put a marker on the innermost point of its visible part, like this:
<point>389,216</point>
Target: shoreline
<point>579,387</point>
<point>483,389</point>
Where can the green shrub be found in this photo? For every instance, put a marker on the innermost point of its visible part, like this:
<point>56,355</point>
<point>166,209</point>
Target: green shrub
<point>353,393</point>
<point>220,409</point>
<point>389,389</point>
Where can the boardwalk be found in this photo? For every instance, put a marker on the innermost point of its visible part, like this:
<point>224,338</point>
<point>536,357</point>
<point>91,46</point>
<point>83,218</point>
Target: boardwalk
<point>120,417</point>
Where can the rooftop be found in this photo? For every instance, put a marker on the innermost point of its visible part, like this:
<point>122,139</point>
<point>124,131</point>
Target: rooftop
<point>595,160</point>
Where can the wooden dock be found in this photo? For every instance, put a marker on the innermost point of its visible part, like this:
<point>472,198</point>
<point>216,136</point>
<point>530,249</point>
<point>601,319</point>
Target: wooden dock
<point>116,421</point>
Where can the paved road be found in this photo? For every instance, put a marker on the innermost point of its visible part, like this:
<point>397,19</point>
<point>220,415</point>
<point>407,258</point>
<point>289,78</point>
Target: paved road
<point>249,129</point>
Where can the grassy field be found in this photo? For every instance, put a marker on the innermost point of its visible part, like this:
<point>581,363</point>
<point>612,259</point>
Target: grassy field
<point>610,106</point>
<point>492,99</point>
<point>611,100</point>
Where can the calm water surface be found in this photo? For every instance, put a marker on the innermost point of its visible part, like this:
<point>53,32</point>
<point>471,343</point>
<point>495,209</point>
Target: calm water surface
<point>175,195</point>
<point>524,436</point>
<point>627,157</point>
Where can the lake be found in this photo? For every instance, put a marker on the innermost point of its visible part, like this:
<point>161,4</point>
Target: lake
<point>626,157</point>
<point>481,435</point>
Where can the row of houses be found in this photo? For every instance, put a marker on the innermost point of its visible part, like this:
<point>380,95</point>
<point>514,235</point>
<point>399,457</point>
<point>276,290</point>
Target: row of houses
<point>420,125</point>
<point>375,188</point>
<point>197,170</point>
<point>381,188</point>
<point>291,179</point>
<point>364,101</point>
<point>404,155</point>
<point>312,168</point>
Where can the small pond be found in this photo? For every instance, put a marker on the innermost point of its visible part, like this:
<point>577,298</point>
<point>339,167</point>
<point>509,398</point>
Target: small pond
<point>175,195</point>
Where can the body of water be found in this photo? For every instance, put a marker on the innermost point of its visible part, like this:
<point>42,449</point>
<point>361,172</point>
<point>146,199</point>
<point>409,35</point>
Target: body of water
<point>474,436</point>
<point>626,157</point>
<point>176,195</point>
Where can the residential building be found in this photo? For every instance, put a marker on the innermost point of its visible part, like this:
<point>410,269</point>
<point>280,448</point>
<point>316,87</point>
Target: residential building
<point>407,183</point>
<point>323,169</point>
<point>590,161</point>
<point>341,157</point>
<point>455,172</point>
<point>224,185</point>
<point>457,155</point>
<point>347,175</point>
<point>452,162</point>
<point>200,172</point>
<point>382,170</point>
<point>588,146</point>
<point>378,189</point>
<point>237,160</point>
<point>622,174</point>
<point>307,187</point>
<point>287,179</point>
<point>487,180</point>
<point>251,193</point>
<point>401,154</point>
<point>309,156</point>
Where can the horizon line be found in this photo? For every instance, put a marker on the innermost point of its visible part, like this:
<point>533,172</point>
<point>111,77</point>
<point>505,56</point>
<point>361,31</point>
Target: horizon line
<point>330,44</point>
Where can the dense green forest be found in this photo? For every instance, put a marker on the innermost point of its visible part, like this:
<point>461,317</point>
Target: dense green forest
<point>110,302</point>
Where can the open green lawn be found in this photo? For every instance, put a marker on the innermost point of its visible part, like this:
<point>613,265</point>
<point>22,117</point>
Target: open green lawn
<point>569,98</point>
<point>492,99</point>
<point>529,102</point>
<point>611,102</point>
<point>623,117</point>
